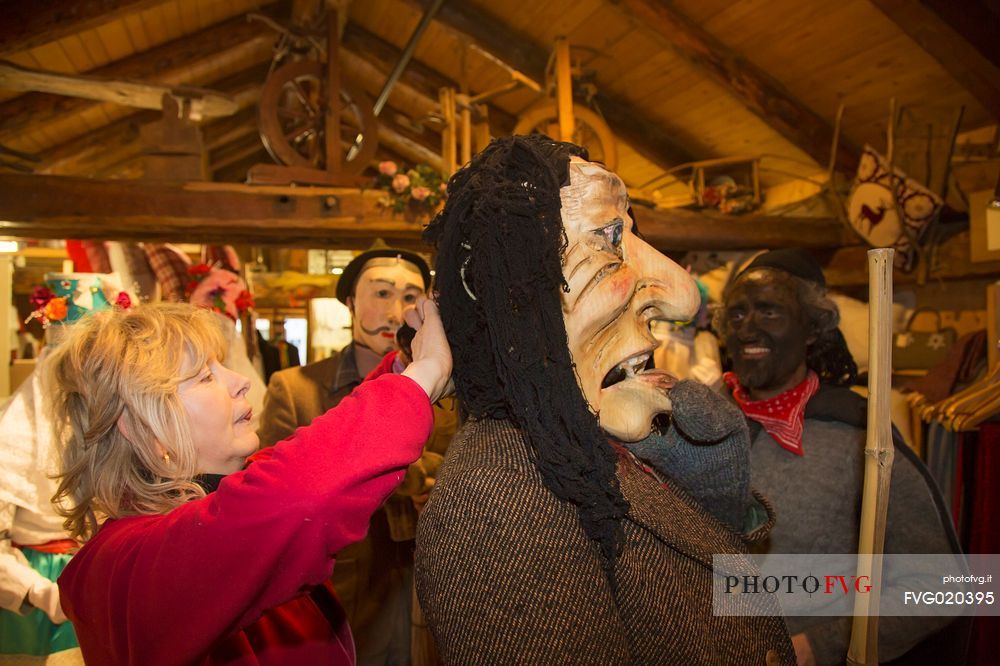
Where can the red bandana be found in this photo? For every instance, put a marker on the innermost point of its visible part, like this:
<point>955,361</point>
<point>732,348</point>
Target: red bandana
<point>784,415</point>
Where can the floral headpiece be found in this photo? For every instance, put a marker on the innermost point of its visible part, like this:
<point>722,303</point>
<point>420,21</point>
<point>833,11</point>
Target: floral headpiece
<point>420,189</point>
<point>218,289</point>
<point>67,297</point>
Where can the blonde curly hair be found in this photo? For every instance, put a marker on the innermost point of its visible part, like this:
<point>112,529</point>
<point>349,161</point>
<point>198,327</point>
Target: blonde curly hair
<point>127,445</point>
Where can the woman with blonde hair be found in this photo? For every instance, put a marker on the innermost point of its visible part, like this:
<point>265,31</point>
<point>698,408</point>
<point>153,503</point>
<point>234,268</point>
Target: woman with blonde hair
<point>191,556</point>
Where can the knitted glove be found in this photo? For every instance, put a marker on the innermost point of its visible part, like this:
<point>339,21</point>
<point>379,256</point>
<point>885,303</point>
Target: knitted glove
<point>705,451</point>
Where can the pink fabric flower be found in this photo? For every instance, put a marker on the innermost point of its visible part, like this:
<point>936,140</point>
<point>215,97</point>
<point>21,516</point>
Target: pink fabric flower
<point>400,182</point>
<point>420,193</point>
<point>123,301</point>
<point>387,168</point>
<point>220,292</point>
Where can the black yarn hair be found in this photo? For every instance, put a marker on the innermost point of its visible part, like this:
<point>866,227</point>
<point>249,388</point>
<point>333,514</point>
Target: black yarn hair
<point>500,246</point>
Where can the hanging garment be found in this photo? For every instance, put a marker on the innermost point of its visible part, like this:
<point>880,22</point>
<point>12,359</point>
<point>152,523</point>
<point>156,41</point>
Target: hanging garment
<point>959,366</point>
<point>941,456</point>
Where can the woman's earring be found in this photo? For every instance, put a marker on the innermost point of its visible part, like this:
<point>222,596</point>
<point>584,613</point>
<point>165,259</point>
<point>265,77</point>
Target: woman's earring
<point>166,458</point>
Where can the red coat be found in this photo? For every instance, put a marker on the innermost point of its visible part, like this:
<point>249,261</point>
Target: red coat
<point>223,579</point>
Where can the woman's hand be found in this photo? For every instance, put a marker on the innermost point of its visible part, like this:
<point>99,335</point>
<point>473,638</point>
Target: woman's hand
<point>431,365</point>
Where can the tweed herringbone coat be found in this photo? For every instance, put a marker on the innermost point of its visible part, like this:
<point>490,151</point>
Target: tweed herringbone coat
<point>506,575</point>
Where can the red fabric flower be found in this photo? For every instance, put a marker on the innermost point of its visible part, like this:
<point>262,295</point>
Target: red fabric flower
<point>40,297</point>
<point>244,301</point>
<point>199,269</point>
<point>123,301</point>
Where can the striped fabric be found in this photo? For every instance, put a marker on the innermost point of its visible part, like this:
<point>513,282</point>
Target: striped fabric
<point>170,266</point>
<point>97,256</point>
<point>506,575</point>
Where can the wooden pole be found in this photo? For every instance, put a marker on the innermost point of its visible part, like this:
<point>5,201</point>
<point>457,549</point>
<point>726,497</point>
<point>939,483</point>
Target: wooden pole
<point>463,101</point>
<point>564,90</point>
<point>879,453</point>
<point>6,298</point>
<point>449,135</point>
<point>333,103</point>
<point>481,129</point>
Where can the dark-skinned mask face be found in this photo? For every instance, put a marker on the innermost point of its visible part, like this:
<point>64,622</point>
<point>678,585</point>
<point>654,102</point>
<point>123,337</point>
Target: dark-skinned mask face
<point>617,285</point>
<point>766,332</point>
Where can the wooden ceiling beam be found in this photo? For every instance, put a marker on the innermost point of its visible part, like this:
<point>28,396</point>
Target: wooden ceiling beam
<point>955,35</point>
<point>25,25</point>
<point>420,78</point>
<point>677,229</point>
<point>951,261</point>
<point>216,135</point>
<point>472,25</point>
<point>91,153</point>
<point>415,148</point>
<point>237,172</point>
<point>759,92</point>
<point>237,150</point>
<point>67,207</point>
<point>201,102</point>
<point>186,60</point>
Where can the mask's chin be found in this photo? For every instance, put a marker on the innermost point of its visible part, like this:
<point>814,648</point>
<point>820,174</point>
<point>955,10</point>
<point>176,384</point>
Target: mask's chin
<point>629,408</point>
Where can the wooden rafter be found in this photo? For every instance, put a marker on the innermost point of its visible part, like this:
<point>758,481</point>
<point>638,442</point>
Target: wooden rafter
<point>956,52</point>
<point>95,151</point>
<point>676,229</point>
<point>235,151</point>
<point>951,261</point>
<point>758,91</point>
<point>418,78</point>
<point>201,102</point>
<point>24,25</point>
<point>65,207</point>
<point>188,59</point>
<point>224,131</point>
<point>416,148</point>
<point>475,26</point>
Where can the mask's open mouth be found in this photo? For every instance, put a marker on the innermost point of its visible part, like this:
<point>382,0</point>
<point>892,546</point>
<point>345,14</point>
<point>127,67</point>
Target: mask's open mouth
<point>634,394</point>
<point>630,367</point>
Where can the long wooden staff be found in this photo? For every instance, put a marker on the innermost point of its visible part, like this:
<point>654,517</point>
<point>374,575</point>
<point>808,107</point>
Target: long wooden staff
<point>878,459</point>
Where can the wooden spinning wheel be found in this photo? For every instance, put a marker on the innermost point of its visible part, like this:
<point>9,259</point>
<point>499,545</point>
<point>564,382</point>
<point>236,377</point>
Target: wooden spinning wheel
<point>589,131</point>
<point>292,119</point>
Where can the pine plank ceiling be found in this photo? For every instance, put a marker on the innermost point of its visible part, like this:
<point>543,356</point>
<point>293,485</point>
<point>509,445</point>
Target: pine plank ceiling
<point>677,81</point>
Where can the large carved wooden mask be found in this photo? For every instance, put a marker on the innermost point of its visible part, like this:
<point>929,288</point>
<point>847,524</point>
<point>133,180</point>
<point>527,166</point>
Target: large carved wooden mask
<point>618,285</point>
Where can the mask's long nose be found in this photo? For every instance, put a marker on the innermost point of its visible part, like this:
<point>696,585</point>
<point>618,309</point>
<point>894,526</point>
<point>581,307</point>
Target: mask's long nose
<point>664,289</point>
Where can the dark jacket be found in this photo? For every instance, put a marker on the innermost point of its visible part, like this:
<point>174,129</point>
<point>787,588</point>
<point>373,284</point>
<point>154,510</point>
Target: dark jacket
<point>506,575</point>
